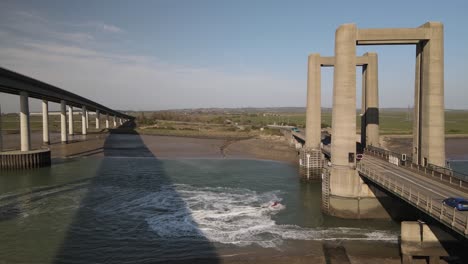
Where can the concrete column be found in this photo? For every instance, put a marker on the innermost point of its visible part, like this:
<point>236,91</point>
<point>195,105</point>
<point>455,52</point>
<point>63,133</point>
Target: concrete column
<point>371,101</point>
<point>1,130</point>
<point>45,122</point>
<point>107,120</point>
<point>87,119</point>
<point>120,121</point>
<point>84,127</point>
<point>431,97</point>
<point>63,121</point>
<point>98,121</point>
<point>115,121</point>
<point>344,98</point>
<point>70,120</point>
<point>313,111</point>
<point>344,180</point>
<point>24,122</point>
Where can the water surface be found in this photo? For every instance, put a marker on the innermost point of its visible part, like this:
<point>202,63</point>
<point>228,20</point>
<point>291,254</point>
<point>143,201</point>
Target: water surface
<point>132,207</point>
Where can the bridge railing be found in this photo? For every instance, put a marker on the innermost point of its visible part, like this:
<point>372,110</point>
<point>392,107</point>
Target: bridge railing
<point>447,215</point>
<point>443,174</point>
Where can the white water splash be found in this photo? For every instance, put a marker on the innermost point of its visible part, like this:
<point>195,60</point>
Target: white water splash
<point>237,216</point>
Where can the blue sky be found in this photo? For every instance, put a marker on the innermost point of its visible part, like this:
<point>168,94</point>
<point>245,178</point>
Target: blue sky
<point>148,55</point>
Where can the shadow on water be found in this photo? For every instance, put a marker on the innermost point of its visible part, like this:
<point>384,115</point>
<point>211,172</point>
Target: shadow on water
<point>113,221</point>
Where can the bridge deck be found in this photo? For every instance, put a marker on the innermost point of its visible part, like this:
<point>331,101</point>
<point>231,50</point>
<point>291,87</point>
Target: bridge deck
<point>425,192</point>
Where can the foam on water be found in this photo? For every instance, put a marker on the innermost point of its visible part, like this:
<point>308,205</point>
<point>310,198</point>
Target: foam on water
<point>236,216</point>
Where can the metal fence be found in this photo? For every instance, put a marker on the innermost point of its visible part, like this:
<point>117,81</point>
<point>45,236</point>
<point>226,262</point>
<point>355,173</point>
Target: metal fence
<point>449,216</point>
<point>443,174</point>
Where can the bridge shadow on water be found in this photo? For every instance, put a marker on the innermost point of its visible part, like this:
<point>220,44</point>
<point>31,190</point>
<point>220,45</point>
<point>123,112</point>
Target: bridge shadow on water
<point>120,217</point>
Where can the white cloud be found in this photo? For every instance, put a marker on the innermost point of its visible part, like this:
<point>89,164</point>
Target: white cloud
<point>70,60</point>
<point>109,28</point>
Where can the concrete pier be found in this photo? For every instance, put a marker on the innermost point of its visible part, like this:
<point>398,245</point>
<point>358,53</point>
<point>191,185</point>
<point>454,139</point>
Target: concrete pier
<point>70,121</point>
<point>313,109</point>
<point>25,159</point>
<point>87,119</point>
<point>370,102</point>
<point>98,120</point>
<point>63,121</point>
<point>25,130</point>
<point>1,130</point>
<point>419,239</point>
<point>45,123</point>
<point>115,121</point>
<point>84,127</point>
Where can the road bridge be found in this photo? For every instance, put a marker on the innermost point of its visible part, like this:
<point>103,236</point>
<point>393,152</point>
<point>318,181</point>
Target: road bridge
<point>422,187</point>
<point>27,87</point>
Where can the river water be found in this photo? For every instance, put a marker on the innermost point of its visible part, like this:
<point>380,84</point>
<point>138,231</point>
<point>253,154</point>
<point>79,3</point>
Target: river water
<point>132,207</point>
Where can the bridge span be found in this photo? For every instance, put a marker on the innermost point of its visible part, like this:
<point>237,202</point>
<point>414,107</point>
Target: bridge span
<point>26,87</point>
<point>422,187</point>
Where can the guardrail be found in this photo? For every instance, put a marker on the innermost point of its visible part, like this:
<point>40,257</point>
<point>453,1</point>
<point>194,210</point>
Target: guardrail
<point>448,216</point>
<point>443,174</point>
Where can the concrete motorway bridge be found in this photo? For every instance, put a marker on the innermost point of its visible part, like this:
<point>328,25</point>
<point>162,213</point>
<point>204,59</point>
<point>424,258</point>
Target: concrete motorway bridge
<point>26,87</point>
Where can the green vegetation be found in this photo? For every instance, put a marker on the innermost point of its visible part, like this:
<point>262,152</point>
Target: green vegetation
<point>242,122</point>
<point>392,121</point>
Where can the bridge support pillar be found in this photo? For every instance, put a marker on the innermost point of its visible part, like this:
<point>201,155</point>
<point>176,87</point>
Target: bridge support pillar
<point>98,119</point>
<point>429,119</point>
<point>370,102</point>
<point>87,119</point>
<point>63,121</point>
<point>311,164</point>
<point>45,122</point>
<point>115,121</point>
<point>24,122</point>
<point>348,196</point>
<point>84,127</point>
<point>107,120</point>
<point>423,240</point>
<point>313,111</point>
<point>1,130</point>
<point>70,120</point>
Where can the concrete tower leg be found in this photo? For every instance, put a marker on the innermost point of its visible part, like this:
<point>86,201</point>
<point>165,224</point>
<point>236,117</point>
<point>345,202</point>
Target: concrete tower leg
<point>107,120</point>
<point>45,122</point>
<point>63,121</point>
<point>345,184</point>
<point>84,127</point>
<point>24,122</point>
<point>311,161</point>
<point>98,120</point>
<point>344,98</point>
<point>364,106</point>
<point>431,116</point>
<point>70,120</point>
<point>1,130</point>
<point>371,101</point>
<point>87,119</point>
<point>417,110</point>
